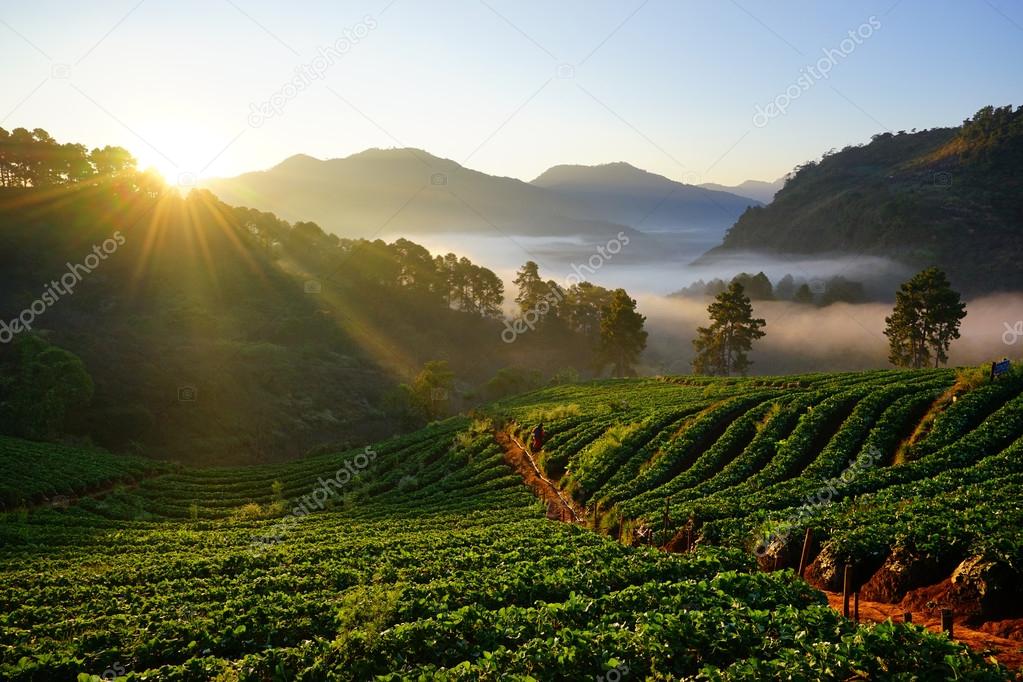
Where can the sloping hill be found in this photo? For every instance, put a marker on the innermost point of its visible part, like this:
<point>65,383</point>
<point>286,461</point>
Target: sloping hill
<point>947,197</point>
<point>218,334</point>
<point>422,557</point>
<point>909,476</point>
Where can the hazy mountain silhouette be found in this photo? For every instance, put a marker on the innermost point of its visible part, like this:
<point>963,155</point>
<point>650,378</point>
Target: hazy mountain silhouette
<point>646,201</point>
<point>409,191</point>
<point>406,191</point>
<point>759,190</point>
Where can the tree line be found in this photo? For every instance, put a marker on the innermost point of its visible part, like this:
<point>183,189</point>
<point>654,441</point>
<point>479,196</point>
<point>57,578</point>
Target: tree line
<point>607,320</point>
<point>403,266</point>
<point>32,158</point>
<point>820,292</point>
<point>924,322</point>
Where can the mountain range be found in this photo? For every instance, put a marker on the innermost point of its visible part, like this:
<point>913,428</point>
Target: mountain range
<point>946,196</point>
<point>411,192</point>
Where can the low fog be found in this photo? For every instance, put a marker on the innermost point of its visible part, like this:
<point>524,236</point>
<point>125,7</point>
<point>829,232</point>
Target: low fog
<point>800,338</point>
<point>842,336</point>
<point>657,264</point>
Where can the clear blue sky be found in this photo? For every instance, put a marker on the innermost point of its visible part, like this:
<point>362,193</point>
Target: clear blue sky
<point>509,88</point>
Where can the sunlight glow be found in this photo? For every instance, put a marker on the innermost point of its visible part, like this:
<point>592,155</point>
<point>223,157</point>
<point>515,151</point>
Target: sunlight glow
<point>180,151</point>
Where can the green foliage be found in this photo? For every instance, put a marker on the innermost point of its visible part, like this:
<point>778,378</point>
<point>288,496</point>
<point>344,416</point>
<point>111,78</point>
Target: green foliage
<point>440,564</point>
<point>925,321</point>
<point>513,380</point>
<point>803,295</point>
<point>945,197</point>
<point>428,396</point>
<point>40,387</point>
<point>758,287</point>
<point>622,337</point>
<point>222,334</point>
<point>722,347</point>
<point>51,474</point>
<point>534,295</point>
<point>35,159</point>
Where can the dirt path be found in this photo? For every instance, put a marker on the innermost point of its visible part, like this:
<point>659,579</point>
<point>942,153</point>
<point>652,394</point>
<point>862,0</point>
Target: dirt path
<point>558,506</point>
<point>99,491</point>
<point>1007,651</point>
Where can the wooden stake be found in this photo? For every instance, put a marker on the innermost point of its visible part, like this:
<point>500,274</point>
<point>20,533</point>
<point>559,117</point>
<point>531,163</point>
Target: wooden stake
<point>846,585</point>
<point>805,556</point>
<point>907,617</point>
<point>856,606</point>
<point>946,623</point>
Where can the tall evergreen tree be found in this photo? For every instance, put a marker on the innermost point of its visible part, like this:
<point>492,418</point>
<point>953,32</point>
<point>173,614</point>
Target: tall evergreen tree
<point>721,348</point>
<point>622,337</point>
<point>925,320</point>
<point>531,286</point>
<point>803,295</point>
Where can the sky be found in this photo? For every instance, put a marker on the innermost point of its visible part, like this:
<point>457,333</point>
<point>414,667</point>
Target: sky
<point>702,91</point>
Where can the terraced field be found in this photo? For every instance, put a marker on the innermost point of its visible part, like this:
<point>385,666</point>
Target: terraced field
<point>425,556</point>
<point>909,477</point>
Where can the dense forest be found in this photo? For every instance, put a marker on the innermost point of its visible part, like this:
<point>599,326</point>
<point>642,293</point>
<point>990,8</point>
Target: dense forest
<point>947,197</point>
<point>184,327</point>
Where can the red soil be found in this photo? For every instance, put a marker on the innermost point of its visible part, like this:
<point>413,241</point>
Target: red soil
<point>559,507</point>
<point>1004,643</point>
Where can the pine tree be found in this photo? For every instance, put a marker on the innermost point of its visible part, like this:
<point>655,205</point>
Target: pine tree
<point>721,348</point>
<point>532,288</point>
<point>803,295</point>
<point>622,337</point>
<point>925,320</point>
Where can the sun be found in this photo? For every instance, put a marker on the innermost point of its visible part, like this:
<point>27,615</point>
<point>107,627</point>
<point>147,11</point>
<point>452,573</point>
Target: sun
<point>181,153</point>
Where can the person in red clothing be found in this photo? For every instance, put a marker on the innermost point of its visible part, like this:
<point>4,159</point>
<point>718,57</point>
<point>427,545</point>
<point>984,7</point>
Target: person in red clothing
<point>539,436</point>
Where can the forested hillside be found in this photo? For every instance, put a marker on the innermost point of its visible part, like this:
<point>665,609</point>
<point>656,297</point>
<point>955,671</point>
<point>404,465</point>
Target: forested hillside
<point>180,326</point>
<point>947,197</point>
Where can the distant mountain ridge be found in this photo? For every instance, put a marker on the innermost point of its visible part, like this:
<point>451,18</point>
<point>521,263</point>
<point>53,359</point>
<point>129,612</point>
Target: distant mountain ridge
<point>410,191</point>
<point>948,197</point>
<point>760,190</point>
<point>625,194</point>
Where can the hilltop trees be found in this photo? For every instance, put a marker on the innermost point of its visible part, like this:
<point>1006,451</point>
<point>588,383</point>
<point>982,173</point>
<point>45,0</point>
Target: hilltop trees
<point>803,295</point>
<point>925,320</point>
<point>581,309</point>
<point>622,337</point>
<point>537,298</point>
<point>469,287</point>
<point>758,287</point>
<point>606,320</point>
<point>721,348</point>
<point>34,159</point>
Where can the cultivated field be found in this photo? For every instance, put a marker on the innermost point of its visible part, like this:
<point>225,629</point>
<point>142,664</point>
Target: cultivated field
<point>426,557</point>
